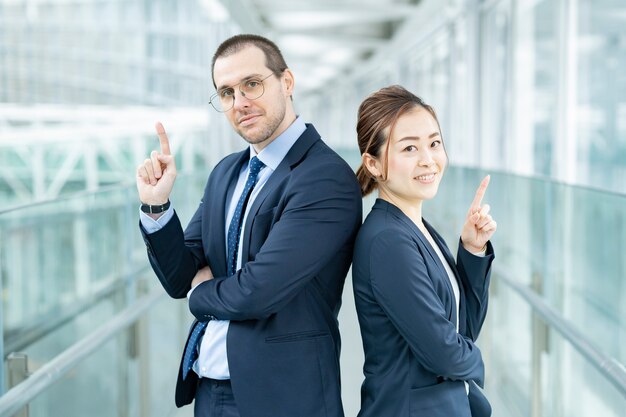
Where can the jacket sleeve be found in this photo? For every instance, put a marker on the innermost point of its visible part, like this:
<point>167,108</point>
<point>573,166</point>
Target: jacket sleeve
<point>320,217</point>
<point>475,272</point>
<point>176,257</point>
<point>405,291</point>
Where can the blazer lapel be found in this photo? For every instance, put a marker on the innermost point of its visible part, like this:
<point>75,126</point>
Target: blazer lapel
<point>452,263</point>
<point>291,159</point>
<point>217,214</point>
<point>422,239</point>
<point>434,257</point>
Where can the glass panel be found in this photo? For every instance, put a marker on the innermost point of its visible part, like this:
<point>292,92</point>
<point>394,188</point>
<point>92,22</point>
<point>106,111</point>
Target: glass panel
<point>536,86</point>
<point>565,243</point>
<point>461,123</point>
<point>430,74</point>
<point>69,266</point>
<point>112,381</point>
<point>64,52</point>
<point>574,387</point>
<point>495,85</point>
<point>56,254</point>
<point>601,110</point>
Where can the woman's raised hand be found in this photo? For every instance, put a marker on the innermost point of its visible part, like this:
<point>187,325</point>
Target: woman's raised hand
<point>479,225</point>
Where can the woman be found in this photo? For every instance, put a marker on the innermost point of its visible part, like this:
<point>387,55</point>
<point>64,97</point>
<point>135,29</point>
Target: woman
<point>419,310</point>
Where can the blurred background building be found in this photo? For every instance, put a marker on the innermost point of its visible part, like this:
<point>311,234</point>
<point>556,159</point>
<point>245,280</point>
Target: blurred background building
<point>530,91</point>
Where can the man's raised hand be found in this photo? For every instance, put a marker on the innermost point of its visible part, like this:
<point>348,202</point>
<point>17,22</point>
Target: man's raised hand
<point>156,175</point>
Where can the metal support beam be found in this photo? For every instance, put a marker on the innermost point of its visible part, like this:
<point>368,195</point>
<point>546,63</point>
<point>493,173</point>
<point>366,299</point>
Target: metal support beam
<point>64,172</point>
<point>141,338</point>
<point>18,187</point>
<point>539,346</point>
<point>17,364</point>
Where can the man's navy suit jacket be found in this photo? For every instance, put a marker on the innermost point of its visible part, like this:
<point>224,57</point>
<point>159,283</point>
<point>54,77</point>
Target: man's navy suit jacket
<point>415,361</point>
<point>283,340</point>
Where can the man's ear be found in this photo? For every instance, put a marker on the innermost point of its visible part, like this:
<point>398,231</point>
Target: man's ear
<point>288,82</point>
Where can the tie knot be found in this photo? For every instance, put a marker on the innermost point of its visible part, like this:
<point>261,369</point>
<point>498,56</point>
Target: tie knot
<point>255,166</point>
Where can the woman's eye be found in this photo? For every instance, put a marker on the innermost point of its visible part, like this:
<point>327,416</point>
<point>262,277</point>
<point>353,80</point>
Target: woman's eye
<point>435,143</point>
<point>410,148</point>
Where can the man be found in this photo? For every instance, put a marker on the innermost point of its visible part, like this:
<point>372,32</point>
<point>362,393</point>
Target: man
<point>264,258</point>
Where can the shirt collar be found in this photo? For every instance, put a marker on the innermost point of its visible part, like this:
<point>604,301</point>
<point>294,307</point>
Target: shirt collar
<point>273,154</point>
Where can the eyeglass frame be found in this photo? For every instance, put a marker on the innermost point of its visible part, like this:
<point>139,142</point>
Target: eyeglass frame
<point>217,94</point>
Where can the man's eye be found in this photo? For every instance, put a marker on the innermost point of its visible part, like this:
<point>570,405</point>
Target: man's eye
<point>226,93</point>
<point>252,83</point>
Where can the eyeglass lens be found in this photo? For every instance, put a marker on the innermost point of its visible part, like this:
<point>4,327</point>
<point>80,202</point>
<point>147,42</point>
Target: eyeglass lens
<point>250,89</point>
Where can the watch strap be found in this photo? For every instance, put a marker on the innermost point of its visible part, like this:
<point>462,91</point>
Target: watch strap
<point>147,208</point>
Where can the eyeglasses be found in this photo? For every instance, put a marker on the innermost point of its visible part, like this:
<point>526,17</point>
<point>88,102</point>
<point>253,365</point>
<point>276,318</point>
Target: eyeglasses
<point>250,88</point>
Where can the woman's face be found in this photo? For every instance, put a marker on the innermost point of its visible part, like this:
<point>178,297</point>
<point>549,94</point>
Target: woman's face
<point>416,158</point>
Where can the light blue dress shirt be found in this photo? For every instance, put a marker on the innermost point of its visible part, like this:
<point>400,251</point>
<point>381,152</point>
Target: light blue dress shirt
<point>212,360</point>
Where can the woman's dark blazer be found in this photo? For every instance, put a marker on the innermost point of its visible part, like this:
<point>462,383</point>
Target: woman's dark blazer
<point>415,361</point>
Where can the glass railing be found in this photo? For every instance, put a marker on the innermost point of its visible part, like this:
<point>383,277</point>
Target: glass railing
<point>72,265</point>
<point>561,242</point>
<point>68,267</point>
<point>564,243</point>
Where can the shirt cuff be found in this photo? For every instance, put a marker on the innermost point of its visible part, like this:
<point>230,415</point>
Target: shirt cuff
<point>480,254</point>
<point>190,291</point>
<point>150,225</point>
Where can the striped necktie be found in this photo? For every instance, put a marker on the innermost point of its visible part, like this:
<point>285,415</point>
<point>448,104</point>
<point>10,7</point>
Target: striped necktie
<point>234,231</point>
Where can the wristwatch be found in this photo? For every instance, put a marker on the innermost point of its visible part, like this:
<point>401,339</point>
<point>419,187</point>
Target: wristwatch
<point>146,208</point>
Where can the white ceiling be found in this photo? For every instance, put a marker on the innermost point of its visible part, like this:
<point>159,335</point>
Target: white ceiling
<point>323,39</point>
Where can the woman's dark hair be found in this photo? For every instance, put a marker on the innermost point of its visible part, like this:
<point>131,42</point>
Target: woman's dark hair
<point>377,118</point>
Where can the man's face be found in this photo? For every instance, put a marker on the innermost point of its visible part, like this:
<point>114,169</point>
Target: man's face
<point>261,120</point>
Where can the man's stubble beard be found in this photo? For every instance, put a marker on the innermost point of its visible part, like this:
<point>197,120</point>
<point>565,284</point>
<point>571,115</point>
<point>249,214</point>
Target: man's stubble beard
<point>269,129</point>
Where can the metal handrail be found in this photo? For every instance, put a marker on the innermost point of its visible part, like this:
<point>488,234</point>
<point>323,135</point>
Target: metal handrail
<point>118,186</point>
<point>68,197</point>
<point>609,367</point>
<point>23,393</point>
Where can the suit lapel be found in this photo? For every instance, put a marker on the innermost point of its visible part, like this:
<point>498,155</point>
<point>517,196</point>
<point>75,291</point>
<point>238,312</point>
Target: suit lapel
<point>435,258</point>
<point>444,249</point>
<point>292,158</point>
<point>423,240</point>
<point>437,261</point>
<point>452,263</point>
<point>216,215</point>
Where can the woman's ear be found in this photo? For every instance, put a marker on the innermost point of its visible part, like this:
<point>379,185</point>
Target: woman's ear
<point>372,165</point>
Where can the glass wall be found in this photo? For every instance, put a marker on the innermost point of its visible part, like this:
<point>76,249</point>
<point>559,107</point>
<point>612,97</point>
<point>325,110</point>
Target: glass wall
<point>535,88</point>
<point>493,140</point>
<point>570,256</point>
<point>68,267</point>
<point>529,87</point>
<point>600,118</point>
<point>108,52</point>
<point>461,122</point>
